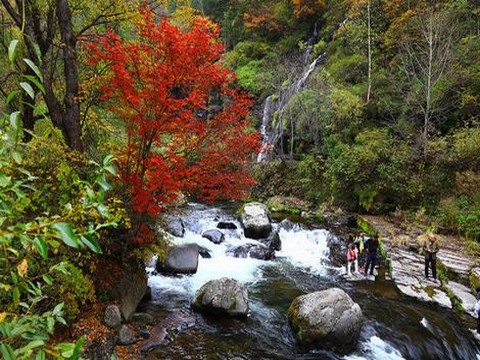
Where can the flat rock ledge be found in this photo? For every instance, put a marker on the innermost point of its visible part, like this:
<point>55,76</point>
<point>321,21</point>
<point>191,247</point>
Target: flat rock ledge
<point>408,267</point>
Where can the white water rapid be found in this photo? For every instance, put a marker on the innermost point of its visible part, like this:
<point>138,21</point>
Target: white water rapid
<point>305,249</point>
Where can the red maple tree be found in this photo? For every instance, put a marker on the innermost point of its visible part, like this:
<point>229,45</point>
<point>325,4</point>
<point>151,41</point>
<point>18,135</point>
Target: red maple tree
<point>187,126</point>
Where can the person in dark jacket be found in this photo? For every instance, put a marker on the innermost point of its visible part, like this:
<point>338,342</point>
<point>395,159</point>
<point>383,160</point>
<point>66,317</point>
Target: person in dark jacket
<point>430,250</point>
<point>371,246</point>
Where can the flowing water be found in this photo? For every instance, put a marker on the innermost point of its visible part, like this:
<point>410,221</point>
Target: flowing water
<point>394,328</point>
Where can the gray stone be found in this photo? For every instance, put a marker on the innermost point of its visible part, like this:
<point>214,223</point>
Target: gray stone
<point>204,252</point>
<point>464,294</point>
<point>125,336</point>
<point>214,235</point>
<point>239,251</point>
<point>255,220</point>
<point>456,263</point>
<point>175,226</point>
<point>326,319</point>
<point>112,316</point>
<point>182,259</point>
<point>261,252</point>
<point>273,241</point>
<point>223,297</point>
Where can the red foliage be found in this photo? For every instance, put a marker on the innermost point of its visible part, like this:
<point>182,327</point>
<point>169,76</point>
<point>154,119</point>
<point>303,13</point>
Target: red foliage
<point>186,125</point>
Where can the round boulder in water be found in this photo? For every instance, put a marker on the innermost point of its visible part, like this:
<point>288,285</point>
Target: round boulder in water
<point>222,297</point>
<point>326,319</point>
<point>214,235</point>
<point>182,259</point>
<point>256,221</point>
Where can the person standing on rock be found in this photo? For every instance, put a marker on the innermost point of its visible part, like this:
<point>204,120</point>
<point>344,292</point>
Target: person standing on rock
<point>352,256</point>
<point>371,247</point>
<point>430,249</point>
<point>359,244</point>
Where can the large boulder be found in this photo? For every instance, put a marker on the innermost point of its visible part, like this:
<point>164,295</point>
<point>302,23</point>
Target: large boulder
<point>326,319</point>
<point>214,235</point>
<point>132,288</point>
<point>222,297</point>
<point>181,259</point>
<point>255,220</point>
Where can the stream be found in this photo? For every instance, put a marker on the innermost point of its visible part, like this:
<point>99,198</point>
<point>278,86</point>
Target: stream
<point>394,327</point>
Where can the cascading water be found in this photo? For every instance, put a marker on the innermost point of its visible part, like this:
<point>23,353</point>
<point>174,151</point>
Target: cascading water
<point>393,329</point>
<point>271,135</point>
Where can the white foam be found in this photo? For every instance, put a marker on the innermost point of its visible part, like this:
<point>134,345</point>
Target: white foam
<point>303,248</point>
<point>376,348</point>
<point>306,249</point>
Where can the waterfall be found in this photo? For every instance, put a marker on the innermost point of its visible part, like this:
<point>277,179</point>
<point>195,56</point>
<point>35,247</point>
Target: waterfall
<point>270,135</point>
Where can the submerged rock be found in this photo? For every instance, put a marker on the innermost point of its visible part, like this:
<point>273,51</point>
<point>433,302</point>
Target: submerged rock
<point>326,319</point>
<point>256,221</point>
<point>165,331</point>
<point>226,225</point>
<point>223,297</point>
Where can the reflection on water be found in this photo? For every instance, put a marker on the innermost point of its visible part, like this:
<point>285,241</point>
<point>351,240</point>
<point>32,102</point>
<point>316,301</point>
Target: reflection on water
<point>395,328</point>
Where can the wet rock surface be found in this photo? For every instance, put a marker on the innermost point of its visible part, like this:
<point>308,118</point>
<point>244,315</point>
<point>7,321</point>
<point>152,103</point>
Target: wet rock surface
<point>166,330</point>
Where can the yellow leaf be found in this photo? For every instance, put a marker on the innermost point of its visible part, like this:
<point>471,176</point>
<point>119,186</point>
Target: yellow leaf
<point>22,268</point>
<point>3,315</point>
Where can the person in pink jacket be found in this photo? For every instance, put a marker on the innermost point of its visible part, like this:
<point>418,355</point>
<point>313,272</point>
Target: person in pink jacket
<point>352,256</point>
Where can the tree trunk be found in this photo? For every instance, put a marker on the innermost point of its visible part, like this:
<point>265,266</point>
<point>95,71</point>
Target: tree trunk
<point>71,114</point>
<point>369,88</point>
